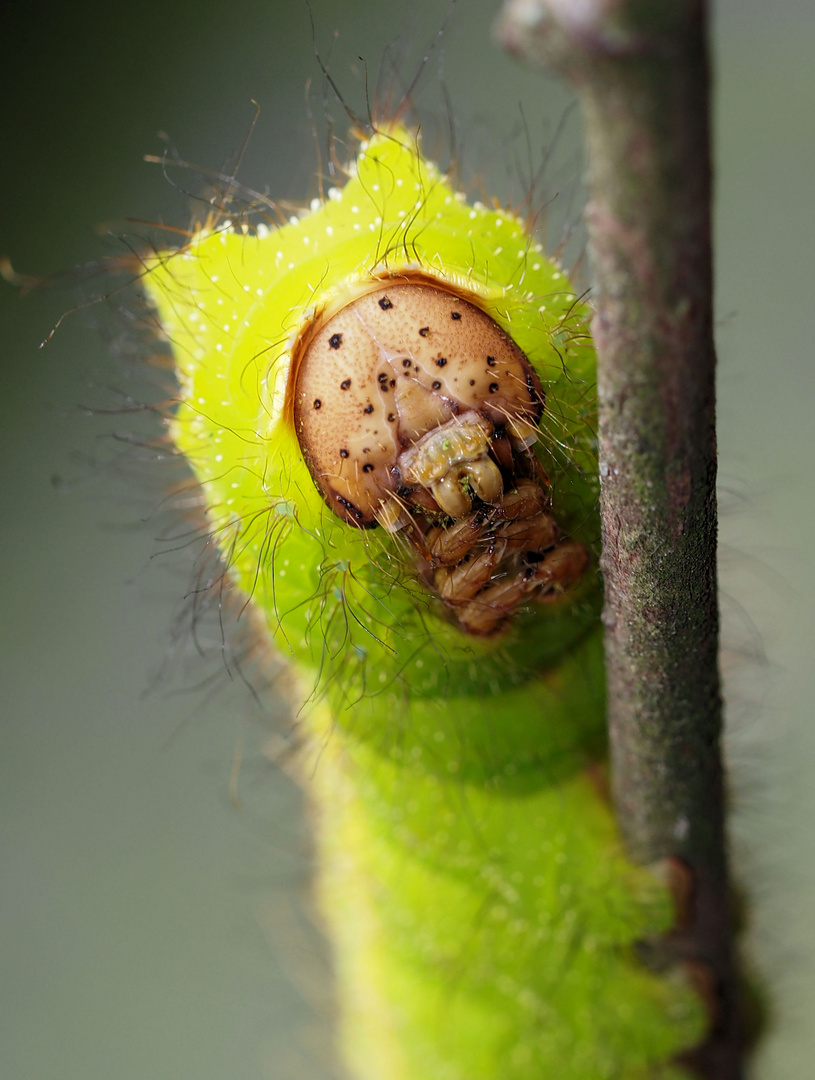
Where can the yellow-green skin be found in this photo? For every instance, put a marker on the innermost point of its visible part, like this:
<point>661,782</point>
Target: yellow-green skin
<point>482,913</point>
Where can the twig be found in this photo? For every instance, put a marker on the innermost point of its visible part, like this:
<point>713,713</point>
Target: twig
<point>641,71</point>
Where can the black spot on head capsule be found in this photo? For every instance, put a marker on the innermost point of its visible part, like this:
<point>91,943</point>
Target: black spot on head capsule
<point>455,315</point>
<point>343,453</point>
<point>368,467</point>
<point>385,303</point>
<point>368,409</point>
<point>345,384</point>
<point>317,403</point>
<point>335,341</point>
<point>491,361</point>
<point>424,331</point>
<point>534,394</point>
<point>442,360</point>
<point>354,511</point>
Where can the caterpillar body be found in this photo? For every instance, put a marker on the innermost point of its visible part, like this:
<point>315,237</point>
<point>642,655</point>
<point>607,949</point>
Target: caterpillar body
<point>386,402</point>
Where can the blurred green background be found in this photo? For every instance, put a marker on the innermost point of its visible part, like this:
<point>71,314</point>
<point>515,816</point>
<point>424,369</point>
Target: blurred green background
<point>147,927</point>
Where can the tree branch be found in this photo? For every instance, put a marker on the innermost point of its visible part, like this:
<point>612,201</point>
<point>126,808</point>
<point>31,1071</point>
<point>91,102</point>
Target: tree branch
<point>641,72</point>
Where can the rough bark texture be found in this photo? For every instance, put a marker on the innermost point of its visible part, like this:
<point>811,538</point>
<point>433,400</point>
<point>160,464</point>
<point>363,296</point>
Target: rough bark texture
<point>641,71</point>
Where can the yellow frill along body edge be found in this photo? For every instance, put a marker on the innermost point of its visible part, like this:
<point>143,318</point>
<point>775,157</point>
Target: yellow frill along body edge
<point>482,914</point>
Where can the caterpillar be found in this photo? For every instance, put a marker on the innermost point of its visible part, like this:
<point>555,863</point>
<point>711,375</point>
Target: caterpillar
<point>386,402</point>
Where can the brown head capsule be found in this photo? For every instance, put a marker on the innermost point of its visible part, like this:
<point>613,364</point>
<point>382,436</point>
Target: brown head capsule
<point>415,410</point>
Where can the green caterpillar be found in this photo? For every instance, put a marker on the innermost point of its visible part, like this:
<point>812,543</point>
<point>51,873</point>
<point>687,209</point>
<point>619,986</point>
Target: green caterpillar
<point>414,534</point>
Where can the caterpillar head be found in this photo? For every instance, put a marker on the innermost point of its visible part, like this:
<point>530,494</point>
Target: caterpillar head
<point>415,411</point>
<point>408,387</point>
